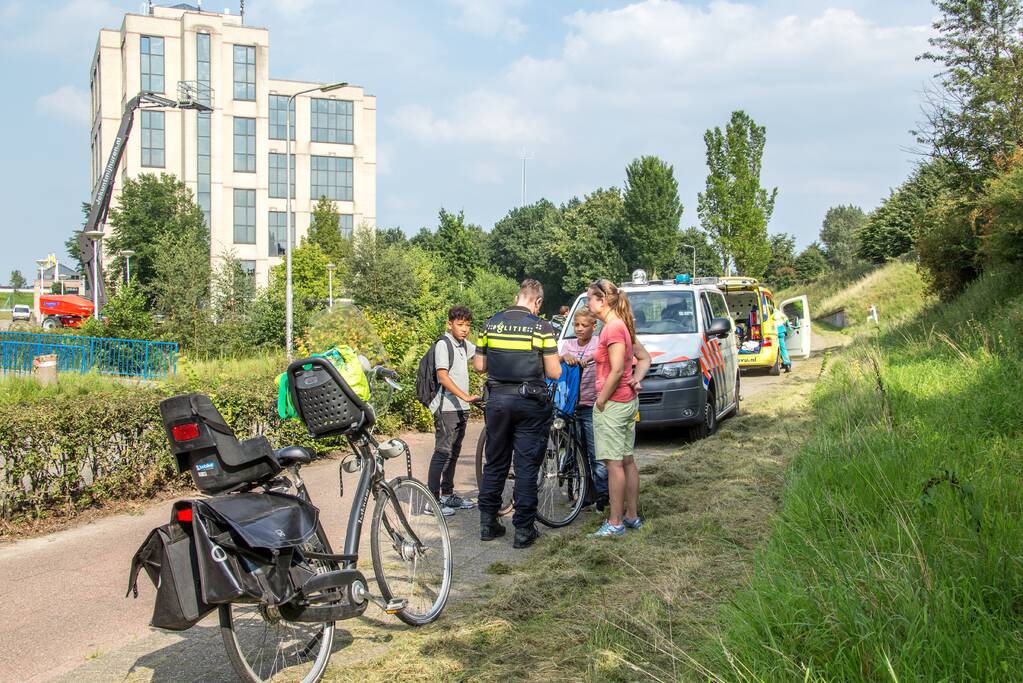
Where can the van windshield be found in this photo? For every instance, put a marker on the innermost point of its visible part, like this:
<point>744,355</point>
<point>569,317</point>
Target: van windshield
<point>663,312</point>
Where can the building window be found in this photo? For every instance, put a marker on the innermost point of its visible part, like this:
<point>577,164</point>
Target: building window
<point>244,145</point>
<point>244,216</point>
<point>244,72</point>
<point>279,116</point>
<point>152,139</point>
<point>331,177</point>
<point>331,121</point>
<point>278,176</point>
<point>152,63</point>
<point>279,232</point>
<point>345,224</point>
<point>204,145</point>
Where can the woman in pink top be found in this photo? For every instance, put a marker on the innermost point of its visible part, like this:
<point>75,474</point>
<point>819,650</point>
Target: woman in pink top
<point>614,415</point>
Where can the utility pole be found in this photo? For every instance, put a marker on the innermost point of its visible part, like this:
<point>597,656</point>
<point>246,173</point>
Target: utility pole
<point>525,157</point>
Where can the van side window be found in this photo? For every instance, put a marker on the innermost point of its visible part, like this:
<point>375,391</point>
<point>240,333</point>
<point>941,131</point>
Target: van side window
<point>717,305</point>
<point>705,307</point>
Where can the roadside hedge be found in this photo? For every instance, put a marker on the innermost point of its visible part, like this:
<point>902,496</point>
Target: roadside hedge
<point>62,454</point>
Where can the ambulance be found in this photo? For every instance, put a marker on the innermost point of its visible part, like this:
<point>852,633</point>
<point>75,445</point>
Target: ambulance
<point>687,328</point>
<point>751,305</point>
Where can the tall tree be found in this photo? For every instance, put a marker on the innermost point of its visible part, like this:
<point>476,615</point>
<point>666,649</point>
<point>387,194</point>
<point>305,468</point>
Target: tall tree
<point>520,243</point>
<point>780,270</point>
<point>149,208</point>
<point>975,116</point>
<point>179,285</point>
<point>811,262</point>
<point>707,260</point>
<point>458,245</point>
<point>890,230</point>
<point>652,214</point>
<point>325,231</point>
<point>17,280</point>
<point>585,246</point>
<point>838,234</point>
<point>735,209</point>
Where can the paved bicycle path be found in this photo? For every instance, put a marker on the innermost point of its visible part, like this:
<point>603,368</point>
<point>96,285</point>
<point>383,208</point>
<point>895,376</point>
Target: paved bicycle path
<point>65,617</point>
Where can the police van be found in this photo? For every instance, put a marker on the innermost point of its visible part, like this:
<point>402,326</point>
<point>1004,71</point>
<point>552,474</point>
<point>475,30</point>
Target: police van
<point>694,377</point>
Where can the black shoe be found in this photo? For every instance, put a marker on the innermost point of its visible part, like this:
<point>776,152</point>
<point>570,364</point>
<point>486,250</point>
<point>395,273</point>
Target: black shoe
<point>490,528</point>
<point>525,537</point>
<point>788,367</point>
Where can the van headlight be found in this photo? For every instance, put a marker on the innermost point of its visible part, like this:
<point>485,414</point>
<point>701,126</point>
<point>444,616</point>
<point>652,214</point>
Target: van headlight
<point>686,368</point>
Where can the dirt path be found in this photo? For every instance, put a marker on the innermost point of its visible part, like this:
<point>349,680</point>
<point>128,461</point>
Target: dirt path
<point>66,618</point>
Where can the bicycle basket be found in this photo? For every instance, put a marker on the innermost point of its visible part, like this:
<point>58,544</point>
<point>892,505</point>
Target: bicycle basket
<point>324,401</point>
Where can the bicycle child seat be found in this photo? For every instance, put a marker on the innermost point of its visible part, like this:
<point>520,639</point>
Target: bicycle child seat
<point>324,401</point>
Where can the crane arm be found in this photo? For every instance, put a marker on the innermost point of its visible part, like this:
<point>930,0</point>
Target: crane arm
<point>105,186</point>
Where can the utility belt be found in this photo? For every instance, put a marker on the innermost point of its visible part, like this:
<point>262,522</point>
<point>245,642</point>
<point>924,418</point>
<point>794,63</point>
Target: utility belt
<point>533,390</point>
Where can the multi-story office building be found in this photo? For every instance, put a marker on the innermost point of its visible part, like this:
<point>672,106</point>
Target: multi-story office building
<point>233,158</point>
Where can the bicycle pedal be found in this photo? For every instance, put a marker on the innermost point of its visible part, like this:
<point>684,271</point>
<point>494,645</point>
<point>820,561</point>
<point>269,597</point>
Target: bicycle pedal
<point>396,605</point>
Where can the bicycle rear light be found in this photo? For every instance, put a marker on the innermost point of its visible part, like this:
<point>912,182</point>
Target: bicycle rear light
<point>185,432</point>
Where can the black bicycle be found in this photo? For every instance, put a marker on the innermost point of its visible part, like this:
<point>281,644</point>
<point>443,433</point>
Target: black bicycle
<point>256,550</point>
<point>563,478</point>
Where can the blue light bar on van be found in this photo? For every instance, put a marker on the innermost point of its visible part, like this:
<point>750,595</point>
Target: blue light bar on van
<point>683,279</point>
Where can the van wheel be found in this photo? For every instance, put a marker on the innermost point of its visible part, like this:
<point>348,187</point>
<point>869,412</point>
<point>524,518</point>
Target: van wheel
<point>709,424</point>
<point>776,368</point>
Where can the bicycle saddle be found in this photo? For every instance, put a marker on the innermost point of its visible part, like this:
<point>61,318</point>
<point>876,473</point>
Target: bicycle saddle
<point>290,455</point>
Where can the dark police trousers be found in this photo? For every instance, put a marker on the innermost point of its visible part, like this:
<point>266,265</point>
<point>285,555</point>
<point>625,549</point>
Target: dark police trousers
<point>520,425</point>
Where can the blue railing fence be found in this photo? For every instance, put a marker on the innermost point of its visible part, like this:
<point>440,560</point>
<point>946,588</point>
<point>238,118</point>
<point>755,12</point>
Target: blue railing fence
<point>75,353</point>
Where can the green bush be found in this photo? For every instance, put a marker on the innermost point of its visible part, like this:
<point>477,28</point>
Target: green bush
<point>1002,210</point>
<point>64,451</point>
<point>947,245</point>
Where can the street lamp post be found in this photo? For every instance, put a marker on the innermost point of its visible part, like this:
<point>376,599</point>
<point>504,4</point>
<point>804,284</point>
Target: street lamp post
<point>41,263</point>
<point>288,306</point>
<point>330,284</point>
<point>689,246</point>
<point>95,236</point>
<point>127,254</point>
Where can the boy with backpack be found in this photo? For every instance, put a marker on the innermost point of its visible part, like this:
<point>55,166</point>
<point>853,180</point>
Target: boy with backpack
<point>449,405</point>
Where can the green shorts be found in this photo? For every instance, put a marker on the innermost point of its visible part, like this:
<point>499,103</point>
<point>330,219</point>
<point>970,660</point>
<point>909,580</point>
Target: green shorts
<point>614,430</point>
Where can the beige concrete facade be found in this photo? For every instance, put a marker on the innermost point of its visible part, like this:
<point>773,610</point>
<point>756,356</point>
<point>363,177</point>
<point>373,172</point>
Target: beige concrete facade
<point>116,77</point>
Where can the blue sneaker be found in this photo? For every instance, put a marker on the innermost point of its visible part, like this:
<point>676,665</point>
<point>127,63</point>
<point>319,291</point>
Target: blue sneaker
<point>607,530</point>
<point>632,523</point>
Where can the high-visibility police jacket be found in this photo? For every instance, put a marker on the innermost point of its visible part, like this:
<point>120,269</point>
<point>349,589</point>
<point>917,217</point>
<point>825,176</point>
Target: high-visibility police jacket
<point>515,342</point>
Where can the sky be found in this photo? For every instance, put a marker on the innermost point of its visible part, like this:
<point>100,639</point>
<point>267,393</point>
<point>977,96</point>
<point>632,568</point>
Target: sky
<point>466,88</point>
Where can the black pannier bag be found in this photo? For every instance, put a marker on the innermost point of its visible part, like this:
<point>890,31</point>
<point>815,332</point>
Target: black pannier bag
<point>169,558</point>
<point>204,445</point>
<point>241,547</point>
<point>247,545</point>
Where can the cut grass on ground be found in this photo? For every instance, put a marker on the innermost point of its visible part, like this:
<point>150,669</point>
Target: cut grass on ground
<point>621,609</point>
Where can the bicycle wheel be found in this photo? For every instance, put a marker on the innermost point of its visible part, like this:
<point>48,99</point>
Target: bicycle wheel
<point>263,647</point>
<point>507,502</point>
<point>419,573</point>
<point>562,479</point>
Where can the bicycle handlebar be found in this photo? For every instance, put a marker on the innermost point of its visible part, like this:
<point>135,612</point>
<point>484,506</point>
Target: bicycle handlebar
<point>388,375</point>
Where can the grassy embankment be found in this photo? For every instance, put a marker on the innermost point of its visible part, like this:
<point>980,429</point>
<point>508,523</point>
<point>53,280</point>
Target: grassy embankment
<point>896,289</point>
<point>896,554</point>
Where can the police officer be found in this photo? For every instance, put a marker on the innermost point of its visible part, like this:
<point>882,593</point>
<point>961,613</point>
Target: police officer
<point>517,350</point>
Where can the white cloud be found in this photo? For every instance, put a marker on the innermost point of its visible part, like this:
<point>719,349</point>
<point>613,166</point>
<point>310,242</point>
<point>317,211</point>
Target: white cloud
<point>65,31</point>
<point>836,90</point>
<point>490,18</point>
<point>66,102</point>
<point>479,116</point>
